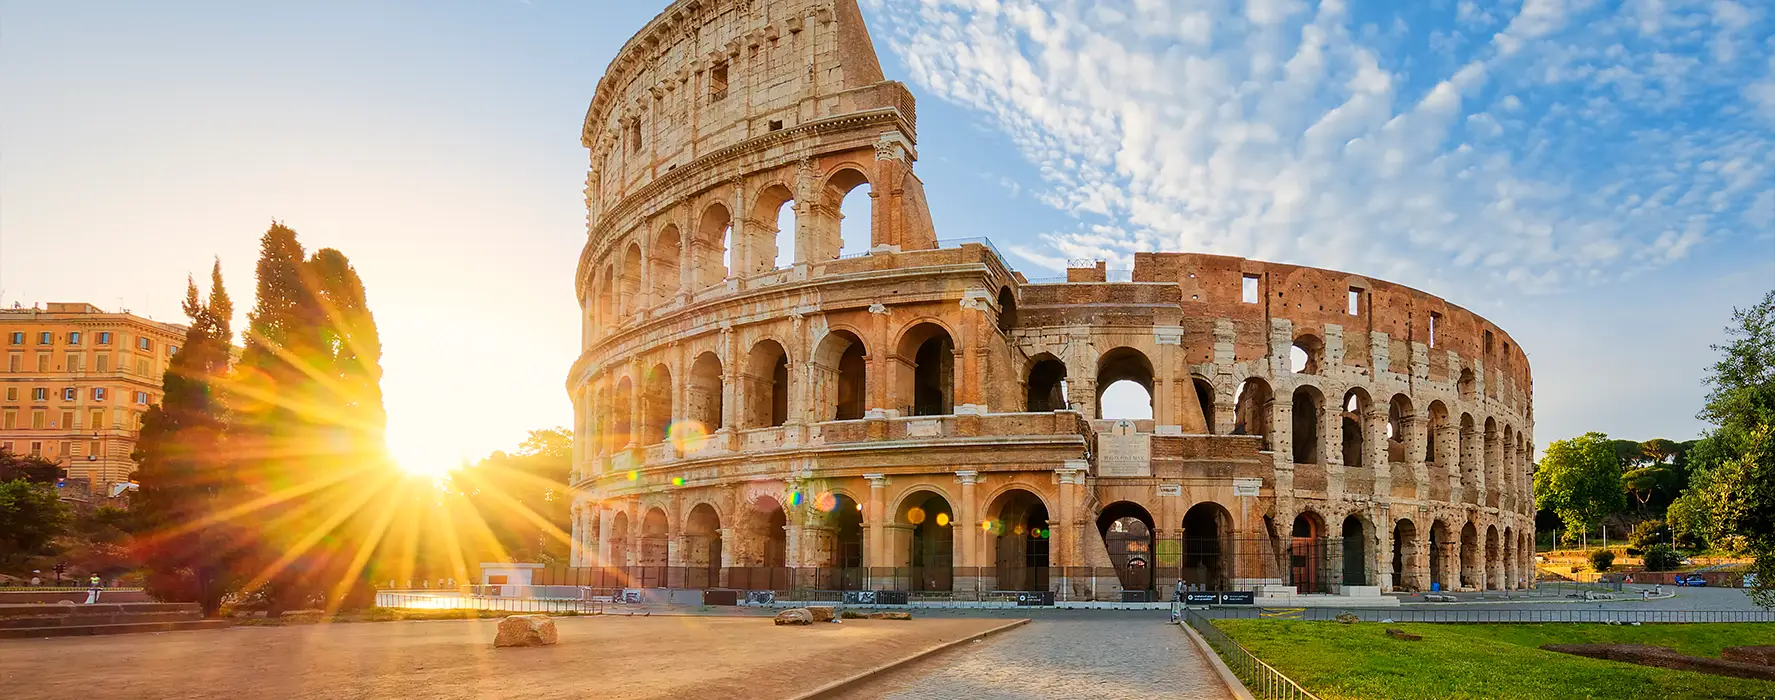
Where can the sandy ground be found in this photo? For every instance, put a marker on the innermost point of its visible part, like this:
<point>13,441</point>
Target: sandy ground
<point>607,657</point>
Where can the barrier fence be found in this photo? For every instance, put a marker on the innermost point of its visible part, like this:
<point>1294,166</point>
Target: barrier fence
<point>445,600</point>
<point>1262,679</point>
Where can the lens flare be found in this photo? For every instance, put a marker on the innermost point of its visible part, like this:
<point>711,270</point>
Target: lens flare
<point>796,498</point>
<point>986,525</point>
<point>826,502</point>
<point>687,436</point>
<point>634,475</point>
<point>942,520</point>
<point>677,481</point>
<point>1017,530</point>
<point>915,516</point>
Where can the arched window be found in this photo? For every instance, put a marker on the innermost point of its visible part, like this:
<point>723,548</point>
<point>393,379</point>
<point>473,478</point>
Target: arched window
<point>1251,412</point>
<point>664,267</point>
<point>1307,405</point>
<point>713,246</point>
<point>656,405</point>
<point>1398,410</point>
<point>1355,428</point>
<point>929,380</point>
<point>632,297</point>
<point>1307,355</point>
<point>767,386</point>
<point>1467,384</point>
<point>841,376</point>
<point>853,198</point>
<point>1047,384</point>
<point>704,395</point>
<point>772,247</point>
<point>1124,385</point>
<point>1007,310</point>
<point>1205,401</point>
<point>621,422</point>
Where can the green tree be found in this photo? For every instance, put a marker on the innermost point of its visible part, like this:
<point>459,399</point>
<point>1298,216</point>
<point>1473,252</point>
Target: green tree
<point>1602,559</point>
<point>1579,480</point>
<point>182,468</point>
<point>523,496</point>
<point>1646,534</point>
<point>1661,557</point>
<point>32,468</point>
<point>31,517</point>
<point>1689,520</point>
<point>1741,499</point>
<point>1734,466</point>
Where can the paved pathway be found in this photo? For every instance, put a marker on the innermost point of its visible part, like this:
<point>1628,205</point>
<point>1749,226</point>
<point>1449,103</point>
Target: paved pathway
<point>1105,657</point>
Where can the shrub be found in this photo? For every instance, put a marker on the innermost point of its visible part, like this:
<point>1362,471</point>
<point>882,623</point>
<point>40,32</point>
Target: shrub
<point>1602,559</point>
<point>1646,534</point>
<point>1661,557</point>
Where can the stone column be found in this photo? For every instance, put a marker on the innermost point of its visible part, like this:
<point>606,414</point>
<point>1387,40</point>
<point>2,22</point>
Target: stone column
<point>605,517</point>
<point>1414,454</point>
<point>1374,448</point>
<point>1472,463</point>
<point>875,521</point>
<point>1063,543</point>
<point>574,541</point>
<point>967,532</point>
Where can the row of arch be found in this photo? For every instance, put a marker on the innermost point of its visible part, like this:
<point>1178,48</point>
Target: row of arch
<point>835,380</point>
<point>775,231</point>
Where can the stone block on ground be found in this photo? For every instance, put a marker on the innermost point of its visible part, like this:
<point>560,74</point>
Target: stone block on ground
<point>1400,634</point>
<point>795,616</point>
<point>890,615</point>
<point>822,613</point>
<point>525,631</point>
<point>1347,618</point>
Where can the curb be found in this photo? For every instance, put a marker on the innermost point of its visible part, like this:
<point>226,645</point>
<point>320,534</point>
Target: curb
<point>1557,601</point>
<point>840,684</point>
<point>1233,685</point>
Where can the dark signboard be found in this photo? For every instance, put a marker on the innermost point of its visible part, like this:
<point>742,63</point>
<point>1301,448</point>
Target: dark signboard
<point>1237,598</point>
<point>890,598</point>
<point>715,596</point>
<point>859,598</point>
<point>1201,598</point>
<point>1035,598</point>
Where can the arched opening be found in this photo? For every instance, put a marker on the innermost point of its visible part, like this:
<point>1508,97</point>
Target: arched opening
<point>1355,554</point>
<point>632,297</point>
<point>622,429</point>
<point>1124,385</point>
<point>704,394</point>
<point>1308,554</point>
<point>764,542</point>
<point>1508,471</point>
<point>1019,528</point>
<point>1398,410</point>
<point>767,386</point>
<point>656,405</point>
<point>929,381</point>
<point>1510,581</point>
<point>702,547</point>
<point>654,533</point>
<point>1205,401</point>
<point>1251,411</point>
<point>1405,555</point>
<point>713,246</point>
<point>1007,310</point>
<point>1466,384</point>
<point>1307,354</point>
<point>1355,436</point>
<point>841,520</point>
<point>1441,540</point>
<point>607,297</point>
<point>1493,559</point>
<point>667,247</point>
<point>927,523</point>
<point>1467,464</point>
<point>1307,405</point>
<point>1472,569</point>
<point>855,200</point>
<point>1439,422</point>
<point>841,377</point>
<point>1127,529</point>
<point>1491,453</point>
<point>772,246</point>
<point>619,540</point>
<point>1047,384</point>
<point>1207,547</point>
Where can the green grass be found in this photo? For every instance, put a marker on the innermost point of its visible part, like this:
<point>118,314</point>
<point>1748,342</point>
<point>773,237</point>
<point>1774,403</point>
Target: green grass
<point>1338,662</point>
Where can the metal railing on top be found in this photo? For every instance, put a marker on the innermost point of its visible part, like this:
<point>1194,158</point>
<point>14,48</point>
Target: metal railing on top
<point>959,242</point>
<point>1262,679</point>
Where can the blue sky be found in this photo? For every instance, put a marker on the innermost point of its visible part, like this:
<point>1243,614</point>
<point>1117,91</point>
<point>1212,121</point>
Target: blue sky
<point>1595,177</point>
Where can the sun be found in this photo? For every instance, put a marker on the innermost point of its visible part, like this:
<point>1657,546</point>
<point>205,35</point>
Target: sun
<point>419,462</point>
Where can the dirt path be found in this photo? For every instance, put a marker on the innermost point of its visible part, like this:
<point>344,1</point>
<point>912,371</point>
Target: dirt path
<point>614,657</point>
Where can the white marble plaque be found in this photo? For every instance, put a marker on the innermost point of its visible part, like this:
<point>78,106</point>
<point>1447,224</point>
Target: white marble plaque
<point>1123,452</point>
<point>1170,489</point>
<point>1247,486</point>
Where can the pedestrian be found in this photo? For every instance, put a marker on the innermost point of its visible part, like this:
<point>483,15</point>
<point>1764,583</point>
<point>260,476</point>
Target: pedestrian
<point>36,580</point>
<point>1177,593</point>
<point>92,590</point>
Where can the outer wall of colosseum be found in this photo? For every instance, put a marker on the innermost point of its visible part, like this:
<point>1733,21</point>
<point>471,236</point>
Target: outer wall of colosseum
<point>913,414</point>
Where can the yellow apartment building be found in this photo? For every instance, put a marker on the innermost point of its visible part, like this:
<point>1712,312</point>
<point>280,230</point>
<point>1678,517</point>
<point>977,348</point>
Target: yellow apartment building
<point>75,383</point>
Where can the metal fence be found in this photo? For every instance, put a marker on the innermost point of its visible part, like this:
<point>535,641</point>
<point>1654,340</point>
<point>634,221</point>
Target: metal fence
<point>1485,615</point>
<point>444,600</point>
<point>1262,679</point>
<point>1127,582</point>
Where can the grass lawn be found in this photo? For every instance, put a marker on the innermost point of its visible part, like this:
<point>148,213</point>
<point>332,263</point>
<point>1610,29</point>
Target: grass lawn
<point>1338,661</point>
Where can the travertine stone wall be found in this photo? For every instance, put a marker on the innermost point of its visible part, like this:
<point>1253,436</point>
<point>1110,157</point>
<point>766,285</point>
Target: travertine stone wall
<point>734,406</point>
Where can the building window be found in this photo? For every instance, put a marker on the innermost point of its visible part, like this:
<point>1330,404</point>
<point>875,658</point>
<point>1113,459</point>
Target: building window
<point>142,366</point>
<point>142,398</point>
<point>36,449</point>
<point>67,450</point>
<point>39,420</point>
<point>718,83</point>
<point>1248,289</point>
<point>144,343</point>
<point>103,364</point>
<point>1355,301</point>
<point>1434,318</point>
<point>18,338</point>
<point>76,362</point>
<point>73,337</point>
<point>14,363</point>
<point>98,393</point>
<point>5,447</point>
<point>46,338</point>
<point>98,419</point>
<point>104,337</point>
<point>70,394</point>
<point>43,363</point>
<point>12,393</point>
<point>39,394</point>
<point>172,350</point>
<point>10,421</point>
<point>92,448</point>
<point>67,421</point>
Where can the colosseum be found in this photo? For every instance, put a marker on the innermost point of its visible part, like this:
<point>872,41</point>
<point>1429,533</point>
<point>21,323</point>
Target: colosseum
<point>771,406</point>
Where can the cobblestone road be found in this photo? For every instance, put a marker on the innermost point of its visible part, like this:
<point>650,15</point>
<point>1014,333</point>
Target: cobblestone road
<point>1102,656</point>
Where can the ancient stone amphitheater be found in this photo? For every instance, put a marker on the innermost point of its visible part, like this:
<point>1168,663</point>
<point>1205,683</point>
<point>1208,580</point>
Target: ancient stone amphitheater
<point>770,409</point>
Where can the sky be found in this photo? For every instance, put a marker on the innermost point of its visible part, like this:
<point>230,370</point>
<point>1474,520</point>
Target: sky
<point>1598,178</point>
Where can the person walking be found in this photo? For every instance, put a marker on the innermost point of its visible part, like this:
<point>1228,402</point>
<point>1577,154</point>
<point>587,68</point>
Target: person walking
<point>92,590</point>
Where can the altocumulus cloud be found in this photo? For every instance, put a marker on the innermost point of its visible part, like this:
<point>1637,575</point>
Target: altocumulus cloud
<point>1534,146</point>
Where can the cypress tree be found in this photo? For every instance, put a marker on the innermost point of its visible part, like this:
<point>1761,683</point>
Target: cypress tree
<point>181,466</point>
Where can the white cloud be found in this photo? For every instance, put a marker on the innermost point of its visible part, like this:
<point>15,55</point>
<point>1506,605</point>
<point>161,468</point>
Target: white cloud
<point>1278,131</point>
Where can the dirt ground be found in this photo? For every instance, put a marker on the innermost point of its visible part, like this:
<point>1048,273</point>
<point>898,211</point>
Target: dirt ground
<point>603,657</point>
